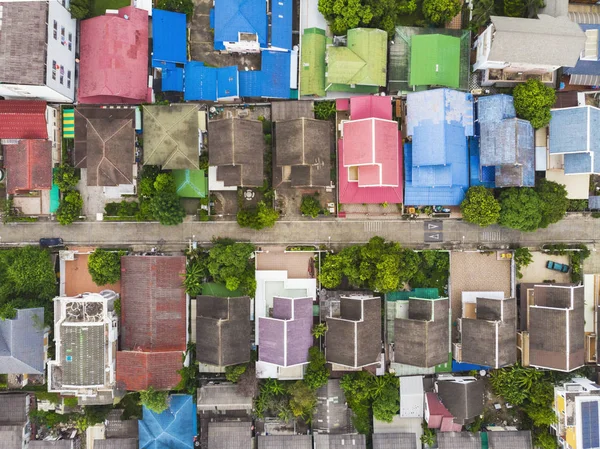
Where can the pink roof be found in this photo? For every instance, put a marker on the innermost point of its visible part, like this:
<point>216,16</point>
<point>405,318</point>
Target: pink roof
<point>371,106</point>
<point>342,104</point>
<point>23,119</point>
<point>439,416</point>
<point>114,58</point>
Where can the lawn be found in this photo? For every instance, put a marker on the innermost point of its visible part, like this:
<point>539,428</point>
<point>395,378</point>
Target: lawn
<point>99,7</point>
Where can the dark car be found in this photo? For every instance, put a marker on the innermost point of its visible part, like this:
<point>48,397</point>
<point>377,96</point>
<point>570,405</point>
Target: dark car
<point>51,242</point>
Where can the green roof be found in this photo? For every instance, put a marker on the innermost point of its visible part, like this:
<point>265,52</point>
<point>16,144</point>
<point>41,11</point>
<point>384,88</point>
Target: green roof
<point>68,117</point>
<point>435,60</point>
<point>215,289</point>
<point>191,183</point>
<point>361,63</point>
<point>423,293</point>
<point>312,74</point>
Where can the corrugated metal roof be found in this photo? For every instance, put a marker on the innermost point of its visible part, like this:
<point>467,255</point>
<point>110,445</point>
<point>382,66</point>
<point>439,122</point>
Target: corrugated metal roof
<point>281,24</point>
<point>435,60</point>
<point>312,69</point>
<point>200,82</point>
<point>272,81</point>
<point>232,17</point>
<point>172,78</point>
<point>169,37</point>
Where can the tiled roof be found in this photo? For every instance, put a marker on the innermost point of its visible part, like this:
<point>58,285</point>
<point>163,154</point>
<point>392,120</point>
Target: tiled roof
<point>222,397</point>
<point>463,400</point>
<point>285,441</point>
<point>343,441</point>
<point>230,435</point>
<point>58,444</point>
<point>139,370</point>
<point>13,408</point>
<point>29,165</point>
<point>23,120</point>
<point>394,441</point>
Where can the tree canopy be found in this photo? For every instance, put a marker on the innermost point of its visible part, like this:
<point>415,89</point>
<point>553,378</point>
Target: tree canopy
<point>257,218</point>
<point>156,401</point>
<point>69,208</point>
<point>229,263</point>
<point>64,177</point>
<point>438,12</point>
<point>310,206</point>
<point>184,6</point>
<point>533,101</point>
<point>79,9</point>
<point>165,204</point>
<point>316,372</point>
<point>553,201</point>
<point>105,266</point>
<point>520,209</point>
<point>480,206</point>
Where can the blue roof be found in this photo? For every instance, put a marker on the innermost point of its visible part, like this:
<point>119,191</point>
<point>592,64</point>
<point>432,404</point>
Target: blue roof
<point>227,82</point>
<point>210,83</point>
<point>169,37</point>
<point>272,81</point>
<point>594,202</point>
<point>479,176</point>
<point>232,17</point>
<point>172,78</point>
<point>590,425</point>
<point>174,428</point>
<point>586,67</point>
<point>437,161</point>
<point>281,24</point>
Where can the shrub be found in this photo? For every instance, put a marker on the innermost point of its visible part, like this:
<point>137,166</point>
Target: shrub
<point>234,372</point>
<point>153,400</point>
<point>70,207</point>
<point>523,258</point>
<point>311,206</point>
<point>65,178</point>
<point>533,101</point>
<point>324,110</point>
<point>105,266</point>
<point>258,218</point>
<point>183,6</point>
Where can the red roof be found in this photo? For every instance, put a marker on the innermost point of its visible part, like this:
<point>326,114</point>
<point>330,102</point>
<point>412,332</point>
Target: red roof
<point>23,119</point>
<point>28,165</point>
<point>139,370</point>
<point>439,417</point>
<point>114,58</point>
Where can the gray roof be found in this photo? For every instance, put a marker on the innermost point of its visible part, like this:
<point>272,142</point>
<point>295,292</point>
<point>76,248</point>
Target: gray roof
<point>222,397</point>
<point>23,42</point>
<point>22,343</point>
<point>510,440</point>
<point>459,440</point>
<point>354,339</point>
<point>423,339</point>
<point>303,144</point>
<point>223,330</point>
<point>229,435</point>
<point>285,442</point>
<point>13,409</point>
<point>463,400</point>
<point>236,147</point>
<point>394,441</point>
<point>58,444</point>
<point>555,8</point>
<point>344,441</point>
<point>332,414</point>
<point>11,436</point>
<point>84,345</point>
<point>289,110</point>
<point>116,443</point>
<point>120,428</point>
<point>547,41</point>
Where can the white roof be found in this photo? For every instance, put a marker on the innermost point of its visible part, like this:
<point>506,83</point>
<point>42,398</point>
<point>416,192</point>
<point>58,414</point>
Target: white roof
<point>411,397</point>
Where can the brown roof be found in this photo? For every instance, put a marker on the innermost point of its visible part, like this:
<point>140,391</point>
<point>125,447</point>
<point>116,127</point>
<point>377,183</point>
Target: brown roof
<point>105,144</point>
<point>289,110</point>
<point>463,400</point>
<point>139,370</point>
<point>29,165</point>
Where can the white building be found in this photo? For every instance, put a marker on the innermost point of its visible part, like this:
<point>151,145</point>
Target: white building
<point>37,50</point>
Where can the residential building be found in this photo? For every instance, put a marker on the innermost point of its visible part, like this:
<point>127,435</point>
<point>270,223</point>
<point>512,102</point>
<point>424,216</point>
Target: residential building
<point>332,415</point>
<point>394,441</point>
<point>230,434</point>
<point>223,330</point>
<point>114,58</point>
<point>205,83</point>
<point>169,49</point>
<point>501,439</point>
<point>512,50</point>
<point>171,136</point>
<point>24,119</point>
<point>353,338</point>
<point>114,432</point>
<point>438,416</point>
<point>302,146</point>
<point>235,144</point>
<point>515,439</point>
<point>37,51</point>
<point>459,440</point>
<point>488,330</point>
<point>436,161</point>
<point>288,441</point>
<point>221,399</point>
<point>275,79</point>
<point>424,335</point>
<point>240,26</point>
<point>28,165</point>
<point>153,322</point>
<point>15,428</point>
<point>447,64</point>
<point>174,428</point>
<point>85,334</point>
<point>24,344</point>
<point>369,156</point>
<point>412,397</point>
<point>506,145</point>
<point>462,396</point>
<point>312,60</point>
<point>326,441</point>
<point>587,70</point>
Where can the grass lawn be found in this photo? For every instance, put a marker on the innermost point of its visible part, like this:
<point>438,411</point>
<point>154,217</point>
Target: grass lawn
<point>99,7</point>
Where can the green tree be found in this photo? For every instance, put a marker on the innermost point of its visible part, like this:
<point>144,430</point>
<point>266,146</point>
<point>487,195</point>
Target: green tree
<point>194,278</point>
<point>234,372</point>
<point>520,209</point>
<point>433,271</point>
<point>79,9</point>
<point>331,271</point>
<point>407,7</point>
<point>515,8</point>
<point>258,218</point>
<point>523,258</point>
<point>30,274</point>
<point>386,400</point>
<point>439,12</point>
<point>229,263</point>
<point>153,400</point>
<point>533,101</point>
<point>553,201</point>
<point>303,400</point>
<point>165,204</point>
<point>319,330</point>
<point>317,373</point>
<point>65,177</point>
<point>105,266</point>
<point>482,10</point>
<point>343,15</point>
<point>542,439</point>
<point>324,110</point>
<point>69,208</point>
<point>480,206</point>
<point>428,437</point>
<point>310,206</point>
<point>184,6</point>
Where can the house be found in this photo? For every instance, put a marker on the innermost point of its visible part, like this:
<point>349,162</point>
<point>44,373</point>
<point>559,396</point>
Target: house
<point>412,397</point>
<point>353,338</point>
<point>555,336</point>
<point>230,434</point>
<point>191,183</point>
<point>462,396</point>
<point>287,441</point>
<point>275,79</point>
<point>153,322</point>
<point>236,150</point>
<point>37,51</point>
<point>15,428</point>
<point>369,156</point>
<point>114,58</point>
<point>24,119</point>
<point>436,160</point>
<point>344,441</point>
<point>223,330</point>
<point>240,25</point>
<point>506,144</point>
<point>171,136</point>
<point>448,52</point>
<point>28,165</point>
<point>438,416</point>
<point>512,50</point>
<point>424,335</point>
<point>394,441</point>
<point>85,334</point>
<point>577,407</point>
<point>302,146</point>
<point>222,398</point>
<point>24,344</point>
<point>209,83</point>
<point>284,336</point>
<point>488,333</point>
<point>587,70</point>
<point>169,49</point>
<point>459,440</point>
<point>332,415</point>
<point>174,428</point>
<point>105,147</point>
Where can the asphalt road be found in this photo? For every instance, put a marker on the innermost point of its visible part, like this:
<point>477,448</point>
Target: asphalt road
<point>337,233</point>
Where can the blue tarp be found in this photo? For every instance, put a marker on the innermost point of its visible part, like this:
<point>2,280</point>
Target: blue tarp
<point>210,83</point>
<point>463,367</point>
<point>174,428</point>
<point>169,37</point>
<point>232,17</point>
<point>281,24</point>
<point>272,81</point>
<point>172,78</point>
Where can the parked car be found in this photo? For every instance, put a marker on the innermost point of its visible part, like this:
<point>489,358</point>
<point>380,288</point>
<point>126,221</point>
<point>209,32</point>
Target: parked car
<point>557,266</point>
<point>51,242</point>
